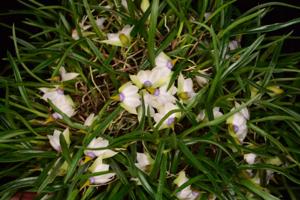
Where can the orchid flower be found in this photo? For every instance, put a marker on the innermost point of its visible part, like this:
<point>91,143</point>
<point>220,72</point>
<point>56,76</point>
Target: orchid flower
<point>151,79</point>
<point>185,89</point>
<point>163,95</point>
<point>187,193</point>
<point>99,143</point>
<point>55,141</point>
<point>144,161</point>
<point>129,97</point>
<point>63,102</point>
<point>67,76</point>
<point>238,124</point>
<point>99,166</point>
<point>202,80</point>
<point>122,38</point>
<point>100,21</point>
<point>216,112</point>
<point>250,158</point>
<point>169,122</point>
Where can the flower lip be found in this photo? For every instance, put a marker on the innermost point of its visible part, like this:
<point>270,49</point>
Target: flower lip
<point>235,128</point>
<point>59,91</point>
<point>122,96</point>
<point>90,154</point>
<point>170,121</point>
<point>92,180</point>
<point>147,84</point>
<point>156,92</point>
<point>169,65</point>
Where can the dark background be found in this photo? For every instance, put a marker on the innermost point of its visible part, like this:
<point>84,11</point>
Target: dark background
<point>278,14</point>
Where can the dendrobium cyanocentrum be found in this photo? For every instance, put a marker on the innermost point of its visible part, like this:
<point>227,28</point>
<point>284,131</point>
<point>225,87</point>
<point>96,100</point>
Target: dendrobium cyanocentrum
<point>151,79</point>
<point>163,96</point>
<point>169,122</point>
<point>238,123</point>
<point>186,193</point>
<point>63,102</point>
<point>55,141</point>
<point>122,38</point>
<point>144,161</point>
<point>99,166</point>
<point>185,89</point>
<point>129,97</point>
<point>92,151</point>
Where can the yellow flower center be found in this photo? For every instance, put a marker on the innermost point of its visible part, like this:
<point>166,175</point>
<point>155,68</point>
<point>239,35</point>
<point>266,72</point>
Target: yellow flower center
<point>124,39</point>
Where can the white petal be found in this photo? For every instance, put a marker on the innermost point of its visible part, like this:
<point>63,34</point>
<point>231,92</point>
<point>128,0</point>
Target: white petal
<point>127,30</point>
<point>132,101</point>
<point>250,158</point>
<point>143,161</point>
<point>181,178</point>
<point>89,120</point>
<point>162,60</point>
<point>100,21</point>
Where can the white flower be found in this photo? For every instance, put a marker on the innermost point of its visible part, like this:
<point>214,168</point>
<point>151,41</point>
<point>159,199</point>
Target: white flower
<point>67,76</point>
<point>54,139</point>
<point>99,143</point>
<point>169,122</point>
<point>63,102</point>
<point>99,166</point>
<point>163,61</point>
<point>238,124</point>
<point>122,38</point>
<point>100,21</point>
<point>144,161</point>
<point>234,44</point>
<point>163,96</point>
<point>187,193</point>
<point>202,80</point>
<point>216,112</point>
<point>89,120</point>
<point>129,97</point>
<point>151,79</point>
<point>250,158</point>
<point>185,89</point>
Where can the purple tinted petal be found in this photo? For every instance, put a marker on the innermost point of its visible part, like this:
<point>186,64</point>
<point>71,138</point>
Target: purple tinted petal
<point>59,91</point>
<point>92,180</point>
<point>147,83</point>
<point>122,96</point>
<point>235,128</point>
<point>90,154</point>
<point>170,121</point>
<point>169,65</point>
<point>157,92</point>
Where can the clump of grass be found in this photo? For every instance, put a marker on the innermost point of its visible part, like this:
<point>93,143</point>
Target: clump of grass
<point>207,40</point>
